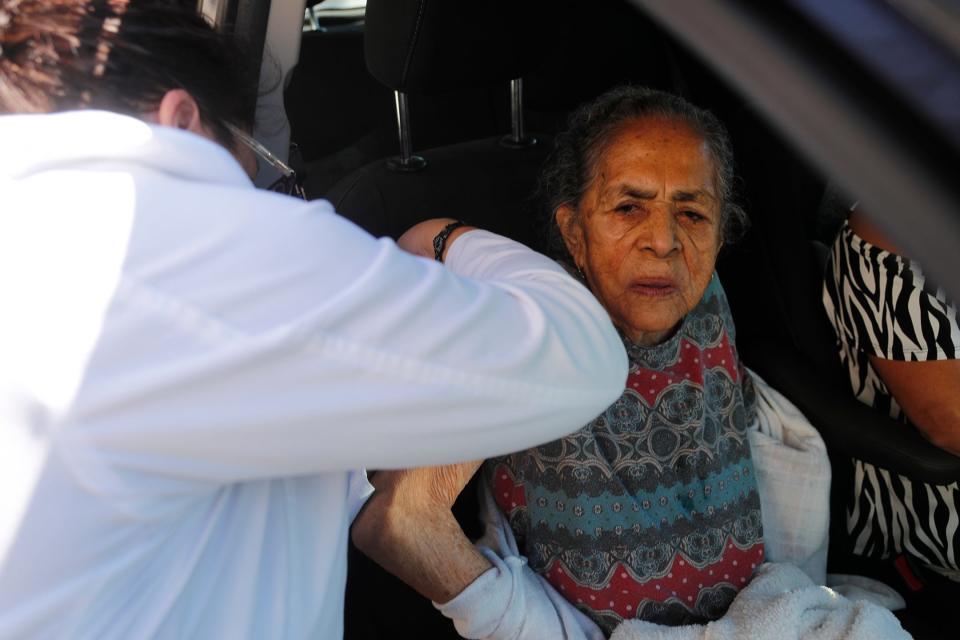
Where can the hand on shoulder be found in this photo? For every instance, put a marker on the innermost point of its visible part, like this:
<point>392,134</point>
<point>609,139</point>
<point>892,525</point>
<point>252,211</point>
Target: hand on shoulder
<point>418,239</point>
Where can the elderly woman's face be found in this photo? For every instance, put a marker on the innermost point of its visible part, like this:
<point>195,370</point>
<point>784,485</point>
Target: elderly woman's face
<point>647,231</point>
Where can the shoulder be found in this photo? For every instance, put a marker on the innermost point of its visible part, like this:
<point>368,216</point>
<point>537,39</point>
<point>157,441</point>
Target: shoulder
<point>254,259</point>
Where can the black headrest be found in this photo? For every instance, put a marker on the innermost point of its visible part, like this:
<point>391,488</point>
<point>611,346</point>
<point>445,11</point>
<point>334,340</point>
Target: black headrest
<point>501,182</point>
<point>434,46</point>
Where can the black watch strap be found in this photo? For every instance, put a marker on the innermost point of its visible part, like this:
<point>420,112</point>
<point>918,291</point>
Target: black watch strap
<point>440,240</point>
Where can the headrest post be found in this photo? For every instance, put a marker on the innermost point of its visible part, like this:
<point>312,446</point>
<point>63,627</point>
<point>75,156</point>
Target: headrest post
<point>406,161</point>
<point>516,108</point>
<point>518,137</point>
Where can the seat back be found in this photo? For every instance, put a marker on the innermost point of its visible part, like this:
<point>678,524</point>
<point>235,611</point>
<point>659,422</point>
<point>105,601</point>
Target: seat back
<point>424,47</point>
<point>481,182</point>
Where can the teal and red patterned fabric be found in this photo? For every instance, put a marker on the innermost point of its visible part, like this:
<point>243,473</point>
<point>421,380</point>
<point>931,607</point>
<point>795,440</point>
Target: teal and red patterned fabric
<point>650,511</point>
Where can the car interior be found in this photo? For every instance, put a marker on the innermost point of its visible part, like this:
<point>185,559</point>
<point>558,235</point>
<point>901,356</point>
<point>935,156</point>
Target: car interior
<point>404,110</point>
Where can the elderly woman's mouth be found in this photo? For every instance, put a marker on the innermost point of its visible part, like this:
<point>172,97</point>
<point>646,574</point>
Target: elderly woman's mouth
<point>654,287</point>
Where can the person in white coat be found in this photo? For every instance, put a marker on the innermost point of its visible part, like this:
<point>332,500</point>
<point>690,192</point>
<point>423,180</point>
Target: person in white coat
<point>193,373</point>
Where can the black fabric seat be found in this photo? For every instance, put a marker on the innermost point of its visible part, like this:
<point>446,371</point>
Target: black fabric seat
<point>793,344</point>
<point>480,181</point>
<point>426,47</point>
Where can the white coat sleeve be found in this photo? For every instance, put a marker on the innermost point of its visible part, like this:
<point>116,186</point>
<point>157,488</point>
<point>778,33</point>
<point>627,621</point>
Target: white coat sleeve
<point>510,601</point>
<point>326,349</point>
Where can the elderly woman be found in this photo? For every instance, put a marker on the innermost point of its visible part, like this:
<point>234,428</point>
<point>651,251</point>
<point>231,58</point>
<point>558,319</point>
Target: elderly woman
<point>651,510</point>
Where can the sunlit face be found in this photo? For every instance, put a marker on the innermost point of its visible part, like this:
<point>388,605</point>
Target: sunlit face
<point>647,231</point>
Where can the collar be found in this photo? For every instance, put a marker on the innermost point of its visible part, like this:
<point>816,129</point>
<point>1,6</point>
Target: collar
<point>33,143</point>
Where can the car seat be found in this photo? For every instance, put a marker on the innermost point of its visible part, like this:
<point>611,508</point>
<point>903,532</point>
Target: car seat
<point>424,48</point>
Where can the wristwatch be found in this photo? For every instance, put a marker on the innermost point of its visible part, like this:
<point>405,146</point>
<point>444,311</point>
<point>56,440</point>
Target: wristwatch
<point>440,240</point>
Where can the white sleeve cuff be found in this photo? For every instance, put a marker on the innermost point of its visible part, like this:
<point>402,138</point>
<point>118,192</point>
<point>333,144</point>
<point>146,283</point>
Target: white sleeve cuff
<point>510,601</point>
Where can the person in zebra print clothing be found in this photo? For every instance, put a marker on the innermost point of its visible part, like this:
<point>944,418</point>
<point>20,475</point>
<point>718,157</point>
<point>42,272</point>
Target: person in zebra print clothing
<point>899,340</point>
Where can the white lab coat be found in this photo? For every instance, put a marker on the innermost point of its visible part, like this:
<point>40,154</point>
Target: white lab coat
<point>193,373</point>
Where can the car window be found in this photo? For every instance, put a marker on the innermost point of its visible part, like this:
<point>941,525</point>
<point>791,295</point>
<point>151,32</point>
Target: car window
<point>328,13</point>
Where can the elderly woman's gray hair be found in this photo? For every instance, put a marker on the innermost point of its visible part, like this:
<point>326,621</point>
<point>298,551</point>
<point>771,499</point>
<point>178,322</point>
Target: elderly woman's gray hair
<point>570,168</point>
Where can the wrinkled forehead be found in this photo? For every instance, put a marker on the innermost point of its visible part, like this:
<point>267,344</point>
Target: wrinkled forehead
<point>645,151</point>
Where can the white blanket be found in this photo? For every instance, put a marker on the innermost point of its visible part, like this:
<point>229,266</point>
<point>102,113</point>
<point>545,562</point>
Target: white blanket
<point>781,603</point>
<point>793,479</point>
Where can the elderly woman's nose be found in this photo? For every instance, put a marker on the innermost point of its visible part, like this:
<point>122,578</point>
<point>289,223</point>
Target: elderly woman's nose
<point>658,233</point>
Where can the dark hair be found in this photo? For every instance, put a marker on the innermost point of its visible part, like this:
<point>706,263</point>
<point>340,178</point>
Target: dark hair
<point>121,55</point>
<point>570,168</point>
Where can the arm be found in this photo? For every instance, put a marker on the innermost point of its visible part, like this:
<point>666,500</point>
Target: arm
<point>928,391</point>
<point>407,528</point>
<point>419,238</point>
<point>320,348</point>
<point>491,593</point>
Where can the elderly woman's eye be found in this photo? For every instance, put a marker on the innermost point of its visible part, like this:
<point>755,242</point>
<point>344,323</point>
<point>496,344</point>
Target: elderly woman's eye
<point>693,215</point>
<point>626,207</point>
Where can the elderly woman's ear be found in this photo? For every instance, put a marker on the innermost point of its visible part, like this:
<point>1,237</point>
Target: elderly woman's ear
<point>572,233</point>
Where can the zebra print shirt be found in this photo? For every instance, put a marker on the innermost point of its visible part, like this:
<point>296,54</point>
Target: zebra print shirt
<point>881,304</point>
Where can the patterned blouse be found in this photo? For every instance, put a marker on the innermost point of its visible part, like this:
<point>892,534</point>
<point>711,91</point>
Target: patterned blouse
<point>650,511</point>
<point>880,304</point>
